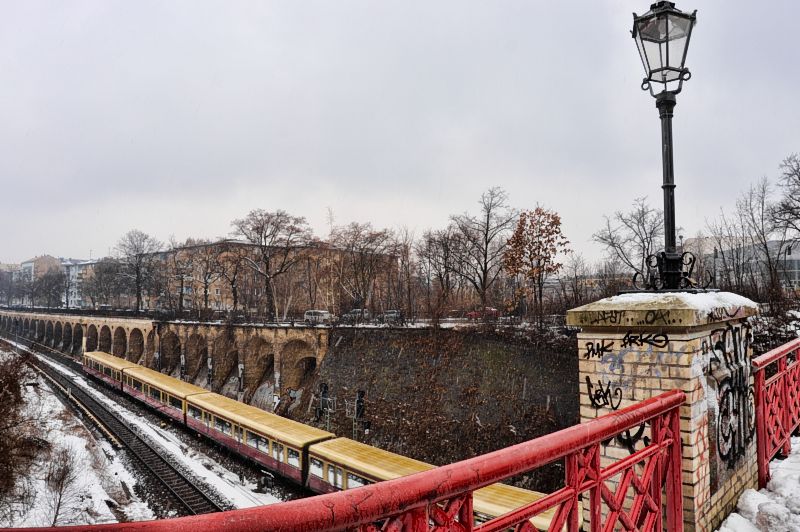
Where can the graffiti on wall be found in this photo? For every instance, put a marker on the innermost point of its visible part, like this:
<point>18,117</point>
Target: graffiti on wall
<point>731,398</point>
<point>603,396</point>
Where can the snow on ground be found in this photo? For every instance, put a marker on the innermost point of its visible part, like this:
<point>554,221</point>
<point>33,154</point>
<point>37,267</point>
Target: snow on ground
<point>96,478</point>
<point>239,492</point>
<point>775,508</point>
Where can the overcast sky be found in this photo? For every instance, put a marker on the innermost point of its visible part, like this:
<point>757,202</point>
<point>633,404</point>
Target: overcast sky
<point>177,117</point>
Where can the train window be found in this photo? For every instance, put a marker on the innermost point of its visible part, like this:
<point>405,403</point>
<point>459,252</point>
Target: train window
<point>155,393</point>
<point>174,402</point>
<point>315,467</point>
<point>338,481</point>
<point>293,457</point>
<point>354,481</point>
<point>259,442</point>
<point>194,412</point>
<point>107,371</point>
<point>137,385</point>
<point>222,425</point>
<point>237,433</point>
<point>277,451</point>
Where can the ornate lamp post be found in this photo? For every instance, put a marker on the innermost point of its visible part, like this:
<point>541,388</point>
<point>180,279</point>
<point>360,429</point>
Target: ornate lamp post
<point>662,36</point>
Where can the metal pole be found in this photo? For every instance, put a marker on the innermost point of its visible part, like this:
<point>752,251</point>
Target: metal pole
<point>670,263</point>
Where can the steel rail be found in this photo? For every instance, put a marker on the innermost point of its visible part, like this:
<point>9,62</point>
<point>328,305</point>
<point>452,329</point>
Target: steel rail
<point>187,492</point>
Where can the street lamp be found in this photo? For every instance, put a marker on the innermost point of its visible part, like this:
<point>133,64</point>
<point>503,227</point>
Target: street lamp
<point>662,36</point>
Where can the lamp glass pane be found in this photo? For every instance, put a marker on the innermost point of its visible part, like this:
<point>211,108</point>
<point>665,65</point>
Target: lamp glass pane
<point>653,51</point>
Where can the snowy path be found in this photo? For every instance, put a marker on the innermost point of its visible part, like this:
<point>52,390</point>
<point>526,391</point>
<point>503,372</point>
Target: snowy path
<point>775,508</point>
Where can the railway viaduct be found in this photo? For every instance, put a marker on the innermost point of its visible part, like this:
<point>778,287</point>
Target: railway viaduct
<point>236,360</point>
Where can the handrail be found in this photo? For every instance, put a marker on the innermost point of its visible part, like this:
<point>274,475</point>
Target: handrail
<point>771,356</point>
<point>414,495</point>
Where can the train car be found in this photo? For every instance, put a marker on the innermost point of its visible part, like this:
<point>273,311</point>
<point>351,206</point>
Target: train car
<point>342,463</point>
<point>279,444</point>
<point>162,392</point>
<point>498,499</point>
<point>105,367</point>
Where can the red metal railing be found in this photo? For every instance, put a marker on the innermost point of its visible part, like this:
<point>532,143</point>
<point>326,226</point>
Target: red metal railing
<point>777,403</point>
<point>627,494</point>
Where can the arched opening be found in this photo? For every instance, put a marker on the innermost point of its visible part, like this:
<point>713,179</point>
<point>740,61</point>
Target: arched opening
<point>77,339</point>
<point>57,335</point>
<point>259,365</point>
<point>295,364</point>
<point>67,342</point>
<point>196,356</point>
<point>104,342</point>
<point>120,346</point>
<point>170,352</point>
<point>225,359</point>
<point>91,338</point>
<point>135,346</point>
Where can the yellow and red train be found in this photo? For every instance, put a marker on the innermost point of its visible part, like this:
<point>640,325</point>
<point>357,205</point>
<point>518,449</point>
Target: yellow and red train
<point>312,457</point>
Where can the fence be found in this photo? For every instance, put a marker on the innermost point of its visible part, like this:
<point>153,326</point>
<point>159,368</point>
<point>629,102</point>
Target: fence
<point>777,396</point>
<point>646,491</point>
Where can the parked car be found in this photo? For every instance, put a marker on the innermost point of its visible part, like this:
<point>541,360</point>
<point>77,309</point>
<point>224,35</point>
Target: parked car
<point>317,317</point>
<point>490,313</point>
<point>357,315</point>
<point>390,316</point>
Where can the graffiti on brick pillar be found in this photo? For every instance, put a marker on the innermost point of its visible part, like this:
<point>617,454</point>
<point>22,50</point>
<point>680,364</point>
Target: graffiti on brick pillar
<point>598,349</point>
<point>731,398</point>
<point>629,441</point>
<point>603,396</point>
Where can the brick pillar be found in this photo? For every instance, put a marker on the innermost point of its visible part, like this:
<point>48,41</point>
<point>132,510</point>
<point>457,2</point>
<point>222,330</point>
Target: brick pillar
<point>635,346</point>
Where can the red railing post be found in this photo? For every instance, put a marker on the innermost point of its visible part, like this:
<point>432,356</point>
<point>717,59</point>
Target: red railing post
<point>656,484</point>
<point>674,474</point>
<point>786,420</point>
<point>761,429</point>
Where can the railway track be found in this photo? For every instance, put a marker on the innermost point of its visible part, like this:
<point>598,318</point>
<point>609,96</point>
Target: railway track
<point>191,496</point>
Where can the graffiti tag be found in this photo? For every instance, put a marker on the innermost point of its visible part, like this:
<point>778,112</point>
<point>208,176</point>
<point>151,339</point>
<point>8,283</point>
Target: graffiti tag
<point>601,396</point>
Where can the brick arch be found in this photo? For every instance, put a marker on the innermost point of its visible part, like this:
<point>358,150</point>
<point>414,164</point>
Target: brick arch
<point>196,355</point>
<point>91,338</point>
<point>119,345</point>
<point>58,335</point>
<point>104,339</point>
<point>259,365</point>
<point>66,343</point>
<point>225,357</point>
<point>295,367</point>
<point>135,345</point>
<point>170,352</point>
<point>77,339</point>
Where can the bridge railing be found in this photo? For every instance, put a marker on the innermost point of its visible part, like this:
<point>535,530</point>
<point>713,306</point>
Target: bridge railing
<point>777,397</point>
<point>641,491</point>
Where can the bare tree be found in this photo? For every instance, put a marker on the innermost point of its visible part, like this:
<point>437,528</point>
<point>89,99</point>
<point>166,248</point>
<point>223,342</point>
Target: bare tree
<point>232,265</point>
<point>483,238</point>
<point>766,235</point>
<point>63,485</point>
<point>787,211</point>
<point>437,252</point>
<point>278,237</point>
<point>138,251</point>
<point>363,254</point>
<point>633,236</point>
<point>207,267</point>
<point>574,281</point>
<point>49,287</point>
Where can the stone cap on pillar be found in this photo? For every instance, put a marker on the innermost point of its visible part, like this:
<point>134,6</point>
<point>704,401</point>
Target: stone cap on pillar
<point>662,310</point>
